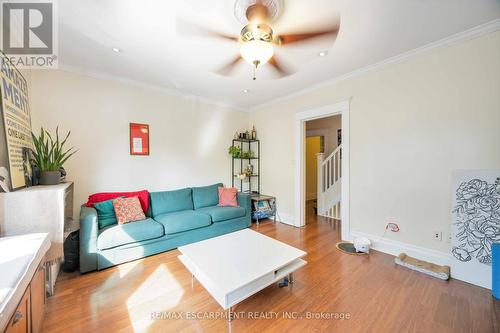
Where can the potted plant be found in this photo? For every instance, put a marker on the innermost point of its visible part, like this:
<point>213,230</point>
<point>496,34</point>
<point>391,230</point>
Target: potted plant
<point>248,154</point>
<point>50,156</point>
<point>234,151</point>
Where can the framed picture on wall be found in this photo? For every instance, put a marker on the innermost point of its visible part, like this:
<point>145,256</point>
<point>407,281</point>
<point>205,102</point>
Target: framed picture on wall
<point>139,139</point>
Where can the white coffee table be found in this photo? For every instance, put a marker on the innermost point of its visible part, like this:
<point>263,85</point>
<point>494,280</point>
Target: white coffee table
<point>234,266</point>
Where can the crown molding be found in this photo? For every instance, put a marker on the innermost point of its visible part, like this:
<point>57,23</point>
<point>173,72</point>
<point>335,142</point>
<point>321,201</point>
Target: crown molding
<point>472,33</point>
<point>140,84</point>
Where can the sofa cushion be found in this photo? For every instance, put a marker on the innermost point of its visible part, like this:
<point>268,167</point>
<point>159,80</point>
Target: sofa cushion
<point>183,221</point>
<point>122,234</point>
<point>106,215</point>
<point>171,201</point>
<point>206,196</point>
<point>228,197</point>
<point>219,214</point>
<point>128,210</point>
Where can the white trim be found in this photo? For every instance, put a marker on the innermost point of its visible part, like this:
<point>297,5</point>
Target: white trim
<point>395,248</point>
<point>285,218</point>
<point>134,83</point>
<point>475,32</point>
<point>341,108</point>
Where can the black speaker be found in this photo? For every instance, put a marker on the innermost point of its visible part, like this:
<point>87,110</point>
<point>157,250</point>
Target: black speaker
<point>71,252</point>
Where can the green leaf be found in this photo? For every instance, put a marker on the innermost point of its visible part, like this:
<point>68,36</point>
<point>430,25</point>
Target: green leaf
<point>49,150</point>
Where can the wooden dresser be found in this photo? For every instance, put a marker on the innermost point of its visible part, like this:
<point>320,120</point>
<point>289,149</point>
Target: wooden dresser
<point>22,277</point>
<point>29,314</point>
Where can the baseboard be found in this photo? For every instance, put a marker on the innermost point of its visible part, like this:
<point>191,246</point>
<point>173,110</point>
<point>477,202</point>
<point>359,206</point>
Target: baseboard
<point>395,248</point>
<point>286,218</point>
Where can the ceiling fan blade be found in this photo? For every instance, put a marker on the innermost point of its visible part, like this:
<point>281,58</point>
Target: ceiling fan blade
<point>228,68</point>
<point>279,66</point>
<point>300,37</point>
<point>187,28</point>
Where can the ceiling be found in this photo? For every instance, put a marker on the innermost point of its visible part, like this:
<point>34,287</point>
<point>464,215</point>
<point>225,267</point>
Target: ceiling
<point>157,52</point>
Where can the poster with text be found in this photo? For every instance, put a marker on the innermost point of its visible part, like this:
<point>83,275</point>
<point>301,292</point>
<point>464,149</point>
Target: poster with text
<point>16,118</point>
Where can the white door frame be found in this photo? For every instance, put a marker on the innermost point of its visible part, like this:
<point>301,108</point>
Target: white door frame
<point>341,108</point>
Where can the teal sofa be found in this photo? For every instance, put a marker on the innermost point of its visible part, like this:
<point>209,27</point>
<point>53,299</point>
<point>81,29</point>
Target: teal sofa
<point>175,218</point>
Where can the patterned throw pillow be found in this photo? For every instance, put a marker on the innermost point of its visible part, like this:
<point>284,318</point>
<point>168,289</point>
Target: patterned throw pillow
<point>128,210</point>
<point>228,196</point>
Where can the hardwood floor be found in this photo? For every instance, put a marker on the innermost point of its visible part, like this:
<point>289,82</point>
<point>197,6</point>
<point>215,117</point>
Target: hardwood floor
<point>377,295</point>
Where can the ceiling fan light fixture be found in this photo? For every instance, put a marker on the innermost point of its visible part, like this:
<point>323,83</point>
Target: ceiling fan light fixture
<point>257,52</point>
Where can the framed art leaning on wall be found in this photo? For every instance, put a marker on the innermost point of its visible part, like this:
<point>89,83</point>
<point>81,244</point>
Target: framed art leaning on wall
<point>15,117</point>
<point>475,224</point>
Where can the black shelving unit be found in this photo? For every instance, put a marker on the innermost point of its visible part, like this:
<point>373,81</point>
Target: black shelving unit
<point>246,145</point>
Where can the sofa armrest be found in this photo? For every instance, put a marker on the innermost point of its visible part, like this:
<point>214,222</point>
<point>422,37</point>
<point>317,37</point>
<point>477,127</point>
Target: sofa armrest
<point>244,200</point>
<point>88,239</point>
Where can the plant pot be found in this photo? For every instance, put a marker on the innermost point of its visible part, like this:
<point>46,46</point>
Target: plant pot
<point>50,177</point>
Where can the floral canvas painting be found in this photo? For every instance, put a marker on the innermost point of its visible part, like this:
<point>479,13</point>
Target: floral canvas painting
<point>475,224</point>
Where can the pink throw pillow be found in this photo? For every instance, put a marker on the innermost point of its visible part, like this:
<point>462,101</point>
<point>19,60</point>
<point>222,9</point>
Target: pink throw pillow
<point>128,210</point>
<point>228,196</point>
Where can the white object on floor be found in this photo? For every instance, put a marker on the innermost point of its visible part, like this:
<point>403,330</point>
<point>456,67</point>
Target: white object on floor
<point>19,259</point>
<point>362,244</point>
<point>234,266</point>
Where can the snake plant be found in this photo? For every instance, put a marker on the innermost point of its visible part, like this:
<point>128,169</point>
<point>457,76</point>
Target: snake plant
<point>49,153</point>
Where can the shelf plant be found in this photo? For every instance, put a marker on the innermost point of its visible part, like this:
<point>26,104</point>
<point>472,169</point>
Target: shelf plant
<point>234,151</point>
<point>50,155</point>
<point>248,154</point>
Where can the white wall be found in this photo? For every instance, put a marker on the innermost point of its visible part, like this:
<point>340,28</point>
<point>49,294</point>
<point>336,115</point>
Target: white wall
<point>188,138</point>
<point>411,124</point>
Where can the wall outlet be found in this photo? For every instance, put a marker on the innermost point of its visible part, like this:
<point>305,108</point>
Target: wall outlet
<point>437,235</point>
<point>448,238</point>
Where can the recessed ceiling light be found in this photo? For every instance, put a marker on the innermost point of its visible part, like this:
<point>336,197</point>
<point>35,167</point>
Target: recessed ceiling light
<point>117,50</point>
<point>322,53</point>
<point>246,91</point>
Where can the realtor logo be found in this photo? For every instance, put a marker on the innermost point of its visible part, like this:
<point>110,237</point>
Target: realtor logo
<point>29,33</point>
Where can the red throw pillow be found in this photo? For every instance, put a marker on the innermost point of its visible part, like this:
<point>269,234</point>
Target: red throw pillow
<point>128,210</point>
<point>228,196</point>
<point>100,197</point>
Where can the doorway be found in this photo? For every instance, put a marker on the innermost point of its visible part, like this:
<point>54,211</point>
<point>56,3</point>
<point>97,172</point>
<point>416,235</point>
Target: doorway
<point>323,137</point>
<point>301,120</point>
<point>314,146</point>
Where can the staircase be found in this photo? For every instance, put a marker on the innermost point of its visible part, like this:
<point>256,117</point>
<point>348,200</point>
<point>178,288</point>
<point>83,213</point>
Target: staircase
<point>330,184</point>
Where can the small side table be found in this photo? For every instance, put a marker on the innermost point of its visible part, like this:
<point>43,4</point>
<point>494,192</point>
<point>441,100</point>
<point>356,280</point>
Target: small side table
<point>263,207</point>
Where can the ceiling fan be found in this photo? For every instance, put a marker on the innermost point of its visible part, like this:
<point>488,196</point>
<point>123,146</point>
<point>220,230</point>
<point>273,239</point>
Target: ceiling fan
<point>258,39</point>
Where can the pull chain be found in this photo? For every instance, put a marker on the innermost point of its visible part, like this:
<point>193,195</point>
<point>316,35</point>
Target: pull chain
<point>256,63</point>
